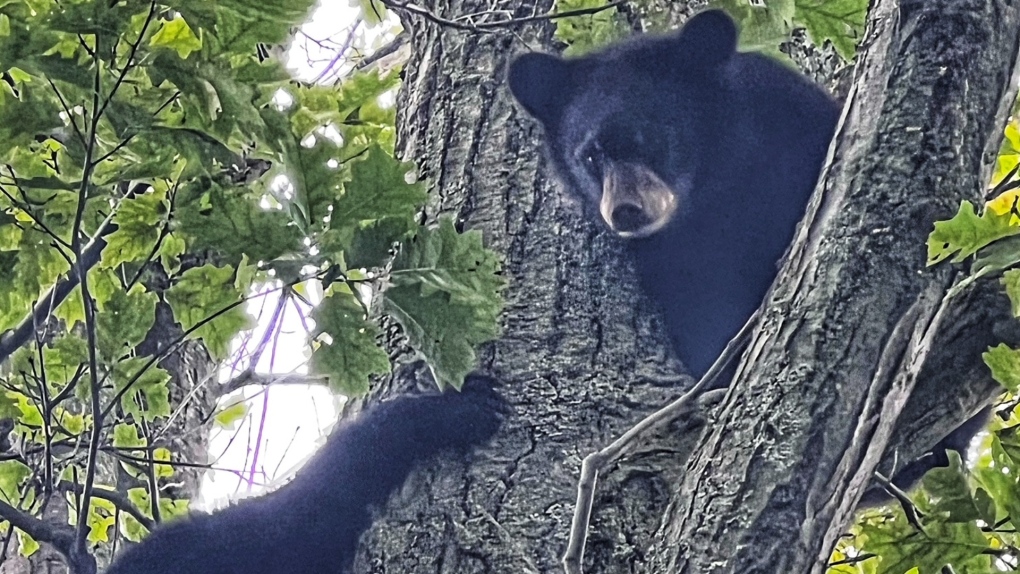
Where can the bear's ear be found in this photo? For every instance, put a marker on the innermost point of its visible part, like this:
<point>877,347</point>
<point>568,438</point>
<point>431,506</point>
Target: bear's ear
<point>708,39</point>
<point>542,84</point>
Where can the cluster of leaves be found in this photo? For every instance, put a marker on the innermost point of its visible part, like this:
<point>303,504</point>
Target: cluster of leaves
<point>583,34</point>
<point>765,24</point>
<point>960,517</point>
<point>148,149</point>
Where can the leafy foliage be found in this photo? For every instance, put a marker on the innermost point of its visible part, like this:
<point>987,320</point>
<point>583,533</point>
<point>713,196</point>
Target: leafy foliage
<point>764,24</point>
<point>350,353</point>
<point>149,145</point>
<point>439,293</point>
<point>840,22</point>
<point>763,28</point>
<point>585,33</point>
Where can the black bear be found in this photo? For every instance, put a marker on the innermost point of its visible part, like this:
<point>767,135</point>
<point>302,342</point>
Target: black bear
<point>312,524</point>
<point>702,156</point>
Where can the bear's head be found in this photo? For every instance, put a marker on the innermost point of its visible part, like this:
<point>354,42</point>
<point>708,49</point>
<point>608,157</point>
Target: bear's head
<point>626,127</point>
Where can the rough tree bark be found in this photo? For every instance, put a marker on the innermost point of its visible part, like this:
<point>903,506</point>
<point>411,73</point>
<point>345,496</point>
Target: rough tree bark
<point>854,316</point>
<point>583,357</point>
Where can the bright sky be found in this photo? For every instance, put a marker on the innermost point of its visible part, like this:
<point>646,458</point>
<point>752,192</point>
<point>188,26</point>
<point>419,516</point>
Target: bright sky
<point>286,423</point>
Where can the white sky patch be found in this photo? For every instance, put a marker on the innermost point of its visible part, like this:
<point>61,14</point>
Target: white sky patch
<point>285,423</point>
<point>332,26</point>
<point>282,100</point>
<point>387,99</point>
<point>331,133</point>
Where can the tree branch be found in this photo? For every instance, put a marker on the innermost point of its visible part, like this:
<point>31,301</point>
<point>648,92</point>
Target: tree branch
<point>459,24</point>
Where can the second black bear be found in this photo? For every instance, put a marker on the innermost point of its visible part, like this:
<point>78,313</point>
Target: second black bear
<point>705,156</point>
<point>312,524</point>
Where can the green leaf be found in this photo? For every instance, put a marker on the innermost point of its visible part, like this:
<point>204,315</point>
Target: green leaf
<point>138,225</point>
<point>124,321</point>
<point>62,358</point>
<point>364,88</point>
<point>27,545</point>
<point>1009,152</point>
<point>162,470</point>
<point>985,506</point>
<point>345,344</point>
<point>30,415</point>
<point>238,25</point>
<point>149,396</point>
<point>1005,366</point>
<point>204,292</point>
<point>838,21</point>
<point>38,264</point>
<point>12,475</point>
<point>446,294</point>
<point>126,436</point>
<point>378,189</point>
<point>9,405</point>
<point>176,35</point>
<point>230,221</point>
<point>1009,441</point>
<point>1011,282</point>
<point>949,487</point>
<point>763,28</point>
<point>372,245</point>
<point>999,475</point>
<point>169,509</point>
<point>94,17</point>
<point>102,515</point>
<point>229,417</point>
<point>901,547</point>
<point>588,32</point>
<point>966,233</point>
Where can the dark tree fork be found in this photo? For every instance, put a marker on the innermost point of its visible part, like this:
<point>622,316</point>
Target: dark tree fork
<point>857,353</point>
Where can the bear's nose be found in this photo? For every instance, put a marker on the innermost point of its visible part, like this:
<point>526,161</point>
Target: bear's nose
<point>628,218</point>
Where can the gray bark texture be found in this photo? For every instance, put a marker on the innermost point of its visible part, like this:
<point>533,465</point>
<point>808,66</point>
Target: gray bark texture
<point>582,356</point>
<point>854,321</point>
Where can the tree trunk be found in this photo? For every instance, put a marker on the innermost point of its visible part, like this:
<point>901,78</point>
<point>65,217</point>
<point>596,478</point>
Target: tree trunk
<point>583,356</point>
<point>854,316</point>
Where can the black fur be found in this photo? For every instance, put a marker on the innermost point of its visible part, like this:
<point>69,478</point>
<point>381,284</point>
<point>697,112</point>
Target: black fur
<point>312,524</point>
<point>737,138</point>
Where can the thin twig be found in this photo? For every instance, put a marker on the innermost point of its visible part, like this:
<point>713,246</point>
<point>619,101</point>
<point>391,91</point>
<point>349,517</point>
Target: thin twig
<point>81,271</point>
<point>24,206</point>
<point>130,59</point>
<point>69,111</point>
<point>412,8</point>
<point>911,512</point>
